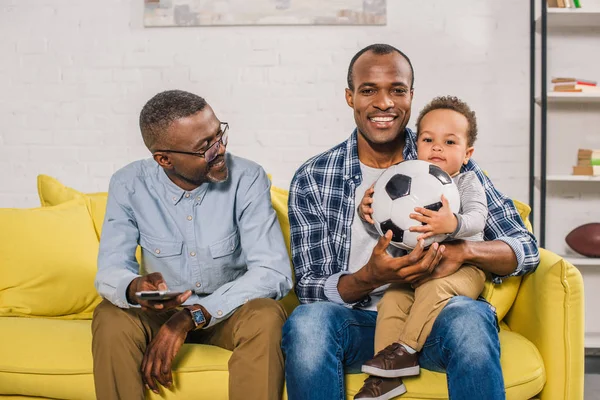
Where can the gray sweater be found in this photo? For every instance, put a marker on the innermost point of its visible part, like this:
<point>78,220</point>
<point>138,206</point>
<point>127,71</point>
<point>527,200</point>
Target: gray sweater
<point>473,207</point>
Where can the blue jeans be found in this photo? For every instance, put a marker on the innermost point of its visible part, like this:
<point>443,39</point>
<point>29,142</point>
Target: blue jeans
<point>324,340</point>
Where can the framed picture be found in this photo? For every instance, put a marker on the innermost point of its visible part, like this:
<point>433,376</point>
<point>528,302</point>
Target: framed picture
<point>263,12</point>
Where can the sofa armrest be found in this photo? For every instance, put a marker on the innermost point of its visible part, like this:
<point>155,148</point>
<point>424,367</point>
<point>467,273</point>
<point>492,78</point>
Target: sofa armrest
<point>549,312</point>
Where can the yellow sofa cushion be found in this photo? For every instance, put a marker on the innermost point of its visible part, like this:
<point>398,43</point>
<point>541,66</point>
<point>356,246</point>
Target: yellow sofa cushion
<point>53,358</point>
<point>503,296</point>
<point>48,261</point>
<point>279,199</point>
<point>52,192</point>
<point>63,365</point>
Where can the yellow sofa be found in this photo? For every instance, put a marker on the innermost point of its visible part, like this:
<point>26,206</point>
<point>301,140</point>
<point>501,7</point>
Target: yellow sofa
<point>46,355</point>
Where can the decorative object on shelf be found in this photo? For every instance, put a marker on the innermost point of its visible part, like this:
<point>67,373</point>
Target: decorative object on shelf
<point>564,3</point>
<point>588,162</point>
<point>263,12</point>
<point>585,239</point>
<point>575,85</point>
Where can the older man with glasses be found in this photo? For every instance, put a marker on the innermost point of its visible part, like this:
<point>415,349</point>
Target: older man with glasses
<point>209,237</point>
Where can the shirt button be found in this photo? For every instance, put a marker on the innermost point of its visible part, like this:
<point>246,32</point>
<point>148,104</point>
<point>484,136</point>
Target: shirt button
<point>174,198</point>
<point>344,235</point>
<point>157,251</point>
<point>198,284</point>
<point>189,217</point>
<point>198,198</point>
<point>187,195</point>
<point>219,313</point>
<point>193,253</point>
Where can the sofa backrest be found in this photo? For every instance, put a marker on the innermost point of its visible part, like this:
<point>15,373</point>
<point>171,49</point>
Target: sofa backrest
<point>53,192</point>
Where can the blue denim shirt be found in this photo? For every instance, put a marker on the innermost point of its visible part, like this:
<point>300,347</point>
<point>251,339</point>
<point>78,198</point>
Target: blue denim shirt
<point>220,240</point>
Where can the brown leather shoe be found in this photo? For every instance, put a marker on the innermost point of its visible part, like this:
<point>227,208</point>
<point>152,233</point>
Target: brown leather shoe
<point>393,362</point>
<point>376,388</point>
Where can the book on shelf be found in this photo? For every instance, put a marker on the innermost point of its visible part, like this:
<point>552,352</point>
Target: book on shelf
<point>577,88</point>
<point>573,81</point>
<point>566,84</point>
<point>592,170</point>
<point>588,162</point>
<point>588,156</point>
<point>564,3</point>
<point>588,153</point>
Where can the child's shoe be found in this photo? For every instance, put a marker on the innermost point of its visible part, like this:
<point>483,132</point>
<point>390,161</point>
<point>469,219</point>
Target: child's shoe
<point>376,388</point>
<point>393,362</point>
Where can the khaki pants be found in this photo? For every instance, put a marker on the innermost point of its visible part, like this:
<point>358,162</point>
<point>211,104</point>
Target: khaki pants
<point>407,315</point>
<point>253,333</point>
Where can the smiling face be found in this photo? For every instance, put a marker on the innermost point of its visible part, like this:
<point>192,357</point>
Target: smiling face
<point>382,96</point>
<point>194,133</point>
<point>443,140</point>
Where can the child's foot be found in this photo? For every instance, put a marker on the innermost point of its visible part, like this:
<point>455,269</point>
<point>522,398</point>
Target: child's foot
<point>393,362</point>
<point>376,388</point>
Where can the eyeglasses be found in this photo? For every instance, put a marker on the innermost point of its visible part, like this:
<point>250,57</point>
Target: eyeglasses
<point>213,150</point>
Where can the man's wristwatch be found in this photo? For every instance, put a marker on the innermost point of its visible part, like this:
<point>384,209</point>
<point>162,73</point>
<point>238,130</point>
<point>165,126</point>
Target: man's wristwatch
<point>197,316</point>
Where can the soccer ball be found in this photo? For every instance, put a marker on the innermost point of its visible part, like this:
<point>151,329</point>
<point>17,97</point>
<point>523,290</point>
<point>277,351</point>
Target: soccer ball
<point>407,185</point>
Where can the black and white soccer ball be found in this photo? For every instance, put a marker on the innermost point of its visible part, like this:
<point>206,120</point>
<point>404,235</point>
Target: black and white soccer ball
<point>401,188</point>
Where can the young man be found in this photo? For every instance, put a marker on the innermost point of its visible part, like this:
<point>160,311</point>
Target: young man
<point>204,221</point>
<point>338,264</point>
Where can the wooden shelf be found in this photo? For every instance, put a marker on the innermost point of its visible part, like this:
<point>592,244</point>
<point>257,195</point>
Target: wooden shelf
<point>570,18</point>
<point>580,261</point>
<point>557,97</point>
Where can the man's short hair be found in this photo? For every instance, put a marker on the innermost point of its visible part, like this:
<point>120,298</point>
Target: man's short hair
<point>164,108</point>
<point>455,104</point>
<point>379,49</point>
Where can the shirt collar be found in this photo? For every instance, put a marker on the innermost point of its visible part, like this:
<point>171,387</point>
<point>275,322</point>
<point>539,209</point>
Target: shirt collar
<point>410,145</point>
<point>351,164</point>
<point>174,193</point>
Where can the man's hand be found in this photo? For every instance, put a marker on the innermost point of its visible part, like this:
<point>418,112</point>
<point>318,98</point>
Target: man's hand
<point>437,222</point>
<point>382,268</point>
<point>365,211</point>
<point>153,281</point>
<point>454,258</point>
<point>416,265</point>
<point>160,353</point>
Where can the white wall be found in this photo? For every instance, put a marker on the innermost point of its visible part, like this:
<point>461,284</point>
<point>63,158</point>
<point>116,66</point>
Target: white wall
<point>75,74</point>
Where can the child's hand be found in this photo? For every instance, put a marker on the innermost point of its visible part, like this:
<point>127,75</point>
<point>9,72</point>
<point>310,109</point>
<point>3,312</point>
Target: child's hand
<point>442,221</point>
<point>365,211</point>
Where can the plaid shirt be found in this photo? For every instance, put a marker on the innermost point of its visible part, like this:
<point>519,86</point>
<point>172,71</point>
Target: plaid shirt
<point>321,210</point>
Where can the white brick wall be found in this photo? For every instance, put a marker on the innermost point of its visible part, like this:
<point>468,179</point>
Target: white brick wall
<point>75,74</point>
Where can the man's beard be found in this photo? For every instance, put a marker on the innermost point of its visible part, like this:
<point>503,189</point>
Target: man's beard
<point>211,178</point>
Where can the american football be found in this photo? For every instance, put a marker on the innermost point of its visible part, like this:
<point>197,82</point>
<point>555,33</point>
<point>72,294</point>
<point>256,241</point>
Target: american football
<point>585,239</point>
